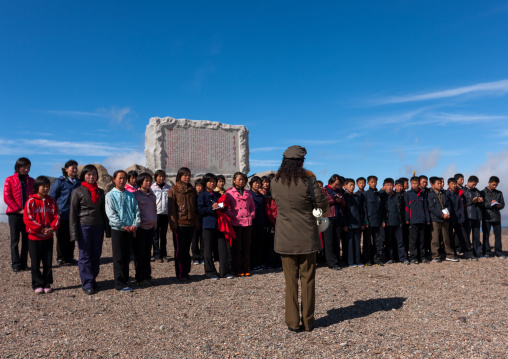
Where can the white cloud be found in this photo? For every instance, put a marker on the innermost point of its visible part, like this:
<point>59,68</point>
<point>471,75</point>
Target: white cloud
<point>265,163</point>
<point>266,149</point>
<point>425,162</point>
<point>496,88</point>
<point>120,161</point>
<point>116,115</point>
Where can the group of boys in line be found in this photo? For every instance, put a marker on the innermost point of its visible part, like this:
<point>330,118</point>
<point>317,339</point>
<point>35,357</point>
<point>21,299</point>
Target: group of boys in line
<point>413,224</point>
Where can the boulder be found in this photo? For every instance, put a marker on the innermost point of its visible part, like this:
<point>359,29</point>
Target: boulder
<point>104,180</point>
<point>139,169</point>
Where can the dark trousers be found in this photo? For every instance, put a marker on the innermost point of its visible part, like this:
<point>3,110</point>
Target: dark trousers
<point>472,228</point>
<point>17,227</point>
<point>142,245</point>
<point>212,238</point>
<point>331,238</point>
<point>457,230</point>
<point>256,246</point>
<point>395,240</point>
<point>428,241</point>
<point>373,249</point>
<point>352,246</point>
<point>182,240</point>
<point>405,236</point>
<point>198,248</point>
<point>41,251</point>
<point>64,246</point>
<point>241,249</point>
<point>497,235</point>
<point>300,267</point>
<point>417,241</point>
<point>273,259</point>
<point>160,237</point>
<point>441,230</point>
<point>90,241</point>
<point>121,242</point>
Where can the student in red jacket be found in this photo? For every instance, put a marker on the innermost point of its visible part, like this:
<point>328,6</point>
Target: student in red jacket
<point>17,189</point>
<point>42,219</point>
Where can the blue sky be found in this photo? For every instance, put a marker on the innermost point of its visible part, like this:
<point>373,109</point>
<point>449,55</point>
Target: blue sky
<point>367,87</point>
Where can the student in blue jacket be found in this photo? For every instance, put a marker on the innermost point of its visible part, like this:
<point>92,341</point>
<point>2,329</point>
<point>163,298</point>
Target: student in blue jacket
<point>61,191</point>
<point>355,219</point>
<point>474,206</point>
<point>373,246</point>
<point>393,220</point>
<point>417,217</point>
<point>124,218</point>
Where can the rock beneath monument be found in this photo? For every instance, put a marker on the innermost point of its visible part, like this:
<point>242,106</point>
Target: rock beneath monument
<point>139,169</point>
<point>202,146</point>
<point>104,180</point>
<point>265,173</point>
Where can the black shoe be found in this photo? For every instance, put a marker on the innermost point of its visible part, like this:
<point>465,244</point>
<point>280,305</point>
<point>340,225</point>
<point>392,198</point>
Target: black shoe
<point>295,330</point>
<point>472,259</point>
<point>368,264</point>
<point>389,262</point>
<point>335,268</point>
<point>437,260</point>
<point>16,270</point>
<point>413,261</point>
<point>379,264</point>
<point>72,261</point>
<point>90,291</point>
<point>59,262</point>
<point>425,260</point>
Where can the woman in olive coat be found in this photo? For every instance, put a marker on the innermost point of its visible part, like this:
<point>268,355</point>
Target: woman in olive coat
<point>296,234</point>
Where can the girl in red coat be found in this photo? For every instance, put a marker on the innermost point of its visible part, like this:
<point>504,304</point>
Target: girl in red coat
<point>17,189</point>
<point>42,220</point>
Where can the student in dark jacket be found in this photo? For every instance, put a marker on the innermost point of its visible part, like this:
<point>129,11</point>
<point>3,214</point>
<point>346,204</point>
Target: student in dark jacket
<point>61,191</point>
<point>337,226</point>
<point>474,206</point>
<point>393,220</point>
<point>258,225</point>
<point>424,181</point>
<point>355,219</point>
<point>417,217</point>
<point>457,218</point>
<point>439,210</point>
<point>493,204</point>
<point>373,249</point>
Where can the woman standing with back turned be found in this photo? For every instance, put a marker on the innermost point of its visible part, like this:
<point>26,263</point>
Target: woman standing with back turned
<point>296,235</point>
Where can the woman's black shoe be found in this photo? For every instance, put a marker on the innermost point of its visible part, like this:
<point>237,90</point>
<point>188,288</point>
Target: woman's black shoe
<point>295,330</point>
<point>90,291</point>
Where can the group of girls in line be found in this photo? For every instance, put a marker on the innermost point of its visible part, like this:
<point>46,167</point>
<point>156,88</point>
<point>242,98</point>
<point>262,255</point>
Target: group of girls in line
<point>234,227</point>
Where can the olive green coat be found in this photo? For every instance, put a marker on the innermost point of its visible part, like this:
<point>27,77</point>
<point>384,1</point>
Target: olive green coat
<point>296,230</point>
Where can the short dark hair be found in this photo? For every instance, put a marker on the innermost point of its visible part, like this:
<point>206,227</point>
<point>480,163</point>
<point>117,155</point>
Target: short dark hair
<point>361,179</point>
<point>423,177</point>
<point>268,180</point>
<point>199,181</point>
<point>21,162</point>
<point>415,179</point>
<point>349,180</point>
<point>141,178</point>
<point>131,174</point>
<point>115,175</point>
<point>404,179</point>
<point>240,174</point>
<point>473,179</point>
<point>255,179</point>
<point>342,179</point>
<point>221,177</point>
<point>399,182</point>
<point>207,178</point>
<point>159,173</point>
<point>494,179</point>
<point>40,181</point>
<point>371,177</point>
<point>85,170</point>
<point>388,180</point>
<point>452,180</point>
<point>334,178</point>
<point>181,172</point>
<point>458,175</point>
<point>433,180</point>
<point>68,164</point>
<point>319,182</point>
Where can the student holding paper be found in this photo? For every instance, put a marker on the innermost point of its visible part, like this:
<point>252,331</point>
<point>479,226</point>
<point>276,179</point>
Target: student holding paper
<point>494,203</point>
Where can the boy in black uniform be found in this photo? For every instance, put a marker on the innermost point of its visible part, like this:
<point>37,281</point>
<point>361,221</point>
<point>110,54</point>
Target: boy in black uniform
<point>493,203</point>
<point>424,181</point>
<point>417,217</point>
<point>394,217</point>
<point>401,186</point>
<point>373,241</point>
<point>474,204</point>
<point>354,215</point>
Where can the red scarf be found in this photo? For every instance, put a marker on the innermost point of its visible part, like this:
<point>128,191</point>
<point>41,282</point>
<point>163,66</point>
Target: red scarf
<point>93,189</point>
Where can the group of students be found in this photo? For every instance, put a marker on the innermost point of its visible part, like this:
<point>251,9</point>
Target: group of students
<point>234,227</point>
<point>410,223</point>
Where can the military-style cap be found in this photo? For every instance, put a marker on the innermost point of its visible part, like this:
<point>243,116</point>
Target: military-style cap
<point>295,152</point>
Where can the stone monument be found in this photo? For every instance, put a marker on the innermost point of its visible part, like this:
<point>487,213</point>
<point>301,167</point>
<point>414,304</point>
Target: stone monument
<point>202,146</point>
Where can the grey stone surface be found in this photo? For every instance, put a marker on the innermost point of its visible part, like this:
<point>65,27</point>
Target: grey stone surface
<point>203,146</point>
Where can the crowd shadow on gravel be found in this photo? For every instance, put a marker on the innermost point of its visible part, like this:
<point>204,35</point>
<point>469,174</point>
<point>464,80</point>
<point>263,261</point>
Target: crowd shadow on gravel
<point>361,308</point>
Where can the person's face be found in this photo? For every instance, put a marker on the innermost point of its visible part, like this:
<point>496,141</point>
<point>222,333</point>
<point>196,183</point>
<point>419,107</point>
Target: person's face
<point>132,181</point>
<point>399,188</point>
<point>372,183</point>
<point>210,185</point>
<point>256,186</point>
<point>239,182</point>
<point>389,188</point>
<point>406,185</point>
<point>361,185</point>
<point>199,188</point>
<point>221,183</point>
<point>440,185</point>
<point>335,186</point>
<point>185,178</point>
<point>472,185</point>
<point>266,185</point>
<point>415,185</point>
<point>320,185</point>
<point>452,186</point>
<point>72,171</point>
<point>23,170</point>
<point>460,182</point>
<point>350,187</point>
<point>424,183</point>
<point>120,181</point>
<point>43,190</point>
<point>147,183</point>
<point>492,185</point>
<point>160,179</point>
<point>91,177</point>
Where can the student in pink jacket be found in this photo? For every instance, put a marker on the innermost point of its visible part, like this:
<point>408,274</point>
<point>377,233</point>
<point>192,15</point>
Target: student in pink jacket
<point>241,211</point>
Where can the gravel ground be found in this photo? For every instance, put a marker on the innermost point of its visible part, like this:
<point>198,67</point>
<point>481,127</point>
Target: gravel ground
<point>447,310</point>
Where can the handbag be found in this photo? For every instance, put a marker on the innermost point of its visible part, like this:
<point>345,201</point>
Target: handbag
<point>322,222</point>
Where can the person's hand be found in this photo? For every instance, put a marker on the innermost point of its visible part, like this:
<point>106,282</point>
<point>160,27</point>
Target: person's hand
<point>127,228</point>
<point>446,216</point>
<point>480,199</point>
<point>215,206</point>
<point>366,226</point>
<point>50,231</point>
<point>384,225</point>
<point>344,229</point>
<point>493,201</point>
<point>407,222</point>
